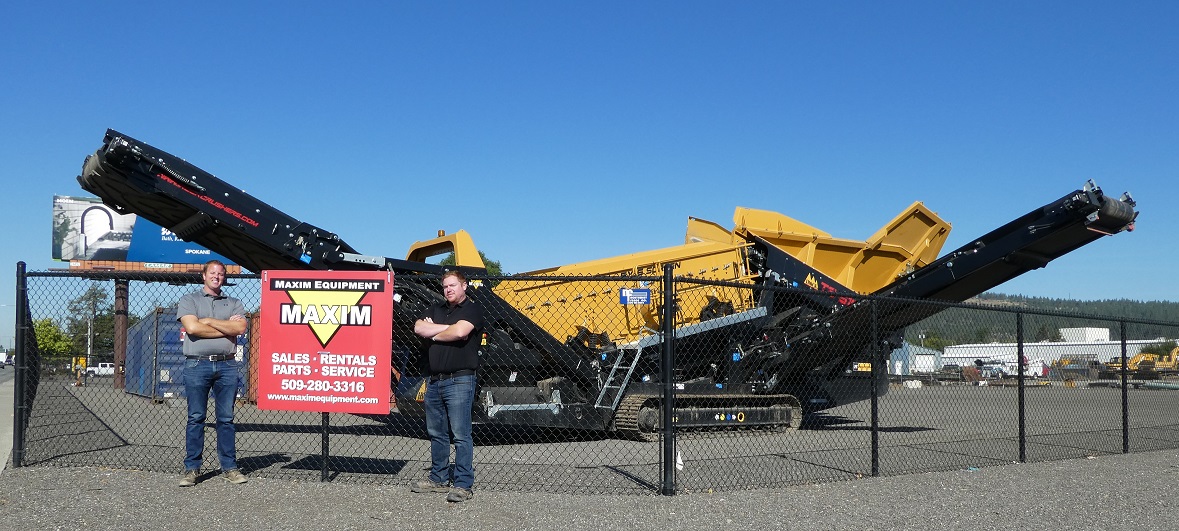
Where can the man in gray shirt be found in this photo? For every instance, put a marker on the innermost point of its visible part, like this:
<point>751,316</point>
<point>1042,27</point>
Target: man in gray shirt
<point>211,323</point>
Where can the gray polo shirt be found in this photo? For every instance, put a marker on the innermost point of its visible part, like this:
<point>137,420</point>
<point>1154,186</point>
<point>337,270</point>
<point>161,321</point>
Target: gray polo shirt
<point>201,304</point>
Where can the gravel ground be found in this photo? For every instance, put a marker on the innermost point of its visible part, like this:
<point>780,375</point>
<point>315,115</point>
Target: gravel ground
<point>1134,491</point>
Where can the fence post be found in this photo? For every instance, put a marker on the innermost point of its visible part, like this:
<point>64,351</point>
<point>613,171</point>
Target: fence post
<point>121,289</point>
<point>20,405</point>
<point>156,394</point>
<point>1125,392</point>
<point>668,370</point>
<point>1023,441</point>
<point>325,427</point>
<point>875,375</point>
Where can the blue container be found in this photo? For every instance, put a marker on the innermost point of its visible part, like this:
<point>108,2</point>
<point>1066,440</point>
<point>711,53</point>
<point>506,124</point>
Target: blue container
<point>155,359</point>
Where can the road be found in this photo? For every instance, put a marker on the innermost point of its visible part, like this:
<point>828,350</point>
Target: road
<point>7,381</point>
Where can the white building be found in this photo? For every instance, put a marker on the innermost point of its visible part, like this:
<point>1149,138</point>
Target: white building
<point>1085,335</point>
<point>912,358</point>
<point>1081,345</point>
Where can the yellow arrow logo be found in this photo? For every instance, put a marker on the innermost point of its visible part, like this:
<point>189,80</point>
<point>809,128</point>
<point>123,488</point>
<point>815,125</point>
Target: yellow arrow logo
<point>326,311</point>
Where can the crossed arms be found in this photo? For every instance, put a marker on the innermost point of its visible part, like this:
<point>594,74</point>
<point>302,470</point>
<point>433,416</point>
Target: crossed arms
<point>428,329</point>
<point>210,328</point>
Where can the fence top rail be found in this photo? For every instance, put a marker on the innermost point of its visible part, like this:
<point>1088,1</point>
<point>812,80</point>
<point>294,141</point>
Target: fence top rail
<point>195,278</point>
<point>146,276</point>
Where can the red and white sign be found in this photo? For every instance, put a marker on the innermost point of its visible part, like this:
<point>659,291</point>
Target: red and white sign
<point>324,341</point>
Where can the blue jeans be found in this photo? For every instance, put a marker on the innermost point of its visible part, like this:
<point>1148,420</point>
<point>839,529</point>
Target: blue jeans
<point>201,376</point>
<point>448,412</point>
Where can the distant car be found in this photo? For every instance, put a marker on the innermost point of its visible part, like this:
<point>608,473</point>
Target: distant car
<point>102,369</point>
<point>993,370</point>
<point>951,369</point>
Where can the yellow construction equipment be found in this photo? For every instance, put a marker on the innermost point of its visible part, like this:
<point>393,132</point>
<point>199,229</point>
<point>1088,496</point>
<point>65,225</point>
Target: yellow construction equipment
<point>749,326</point>
<point>711,253</point>
<point>1144,365</point>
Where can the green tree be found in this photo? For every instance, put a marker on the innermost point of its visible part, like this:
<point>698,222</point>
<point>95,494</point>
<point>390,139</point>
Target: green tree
<point>92,318</point>
<point>52,342</point>
<point>1164,347</point>
<point>1047,332</point>
<point>934,340</point>
<point>493,266</point>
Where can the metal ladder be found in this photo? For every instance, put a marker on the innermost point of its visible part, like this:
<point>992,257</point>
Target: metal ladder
<point>616,381</point>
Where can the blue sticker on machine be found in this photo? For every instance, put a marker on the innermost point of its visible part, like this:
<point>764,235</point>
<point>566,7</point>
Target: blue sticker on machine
<point>629,296</point>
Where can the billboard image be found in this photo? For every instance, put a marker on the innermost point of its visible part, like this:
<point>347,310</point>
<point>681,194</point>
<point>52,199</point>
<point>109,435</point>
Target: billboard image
<point>86,229</point>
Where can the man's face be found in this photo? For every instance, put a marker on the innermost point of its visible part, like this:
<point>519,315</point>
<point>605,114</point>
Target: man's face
<point>214,278</point>
<point>454,289</point>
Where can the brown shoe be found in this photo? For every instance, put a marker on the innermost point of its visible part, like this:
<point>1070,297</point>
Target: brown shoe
<point>425,485</point>
<point>189,478</point>
<point>235,476</point>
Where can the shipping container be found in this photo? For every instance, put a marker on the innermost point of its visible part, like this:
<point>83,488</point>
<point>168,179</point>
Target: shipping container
<point>155,359</point>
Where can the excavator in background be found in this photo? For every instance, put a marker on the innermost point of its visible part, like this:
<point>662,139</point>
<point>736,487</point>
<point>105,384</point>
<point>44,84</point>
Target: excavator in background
<point>1075,368</point>
<point>1143,366</point>
<point>1157,366</point>
<point>772,317</point>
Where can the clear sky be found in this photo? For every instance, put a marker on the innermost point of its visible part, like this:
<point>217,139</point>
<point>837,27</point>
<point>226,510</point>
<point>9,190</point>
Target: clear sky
<point>558,132</point>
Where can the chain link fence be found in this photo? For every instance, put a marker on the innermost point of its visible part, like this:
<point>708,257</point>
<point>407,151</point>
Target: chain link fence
<point>770,386</point>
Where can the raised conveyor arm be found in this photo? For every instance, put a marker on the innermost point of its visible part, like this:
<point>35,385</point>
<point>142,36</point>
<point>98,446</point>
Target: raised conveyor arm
<point>134,177</point>
<point>1029,242</point>
<point>1026,243</point>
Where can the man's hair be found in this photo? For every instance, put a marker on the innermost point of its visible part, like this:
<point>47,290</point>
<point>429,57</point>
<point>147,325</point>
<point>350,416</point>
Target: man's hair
<point>211,263</point>
<point>456,274</point>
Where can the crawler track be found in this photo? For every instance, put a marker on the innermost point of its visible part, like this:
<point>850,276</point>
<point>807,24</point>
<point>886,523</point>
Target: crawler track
<point>639,415</point>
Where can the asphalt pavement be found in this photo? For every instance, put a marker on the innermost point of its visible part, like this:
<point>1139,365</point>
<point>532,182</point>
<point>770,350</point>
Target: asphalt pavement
<point>7,400</point>
<point>1111,492</point>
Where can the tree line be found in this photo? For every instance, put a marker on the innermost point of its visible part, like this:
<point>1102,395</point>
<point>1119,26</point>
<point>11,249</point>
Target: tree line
<point>956,326</point>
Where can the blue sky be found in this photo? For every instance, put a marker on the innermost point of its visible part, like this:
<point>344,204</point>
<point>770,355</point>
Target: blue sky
<point>557,132</point>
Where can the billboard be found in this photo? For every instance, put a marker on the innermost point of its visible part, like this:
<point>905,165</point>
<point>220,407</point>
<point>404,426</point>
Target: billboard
<point>84,229</point>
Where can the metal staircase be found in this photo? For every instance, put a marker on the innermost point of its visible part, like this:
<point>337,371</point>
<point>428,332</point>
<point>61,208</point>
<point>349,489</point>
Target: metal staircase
<point>616,381</point>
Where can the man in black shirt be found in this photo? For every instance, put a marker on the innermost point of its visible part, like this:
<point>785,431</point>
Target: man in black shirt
<point>454,329</point>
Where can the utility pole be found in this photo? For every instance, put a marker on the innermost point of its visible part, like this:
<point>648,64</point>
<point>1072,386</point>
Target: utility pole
<point>90,326</point>
<point>90,335</point>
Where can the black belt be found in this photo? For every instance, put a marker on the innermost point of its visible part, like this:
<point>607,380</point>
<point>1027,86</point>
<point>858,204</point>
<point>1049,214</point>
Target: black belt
<point>449,375</point>
<point>214,357</point>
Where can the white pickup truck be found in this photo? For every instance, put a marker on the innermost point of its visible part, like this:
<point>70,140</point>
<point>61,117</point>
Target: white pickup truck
<point>101,369</point>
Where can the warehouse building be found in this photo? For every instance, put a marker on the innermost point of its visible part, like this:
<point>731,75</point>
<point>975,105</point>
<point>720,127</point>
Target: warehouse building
<point>1080,346</point>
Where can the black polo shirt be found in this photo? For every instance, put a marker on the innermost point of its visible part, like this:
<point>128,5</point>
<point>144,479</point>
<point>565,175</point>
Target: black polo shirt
<point>451,356</point>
